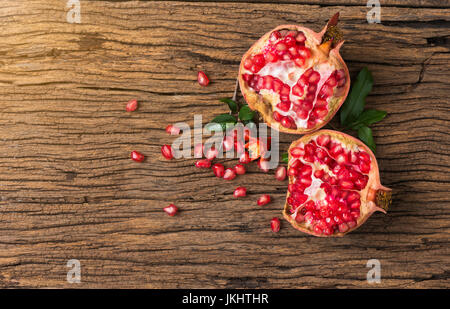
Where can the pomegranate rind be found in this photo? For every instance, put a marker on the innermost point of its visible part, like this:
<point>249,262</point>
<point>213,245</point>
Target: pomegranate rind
<point>368,194</point>
<point>256,102</point>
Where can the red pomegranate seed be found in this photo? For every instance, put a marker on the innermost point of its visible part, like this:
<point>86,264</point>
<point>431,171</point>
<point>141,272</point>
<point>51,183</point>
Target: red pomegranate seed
<point>280,173</point>
<point>245,158</point>
<point>218,170</point>
<point>229,174</point>
<point>275,224</point>
<point>301,38</point>
<point>239,169</point>
<point>240,192</point>
<point>172,130</point>
<point>263,200</point>
<point>137,156</point>
<point>132,105</point>
<point>286,122</point>
<point>198,150</point>
<point>314,77</point>
<point>228,143</point>
<point>166,151</point>
<point>204,163</point>
<point>212,153</point>
<point>263,165</point>
<point>202,78</point>
<point>297,152</point>
<point>171,210</point>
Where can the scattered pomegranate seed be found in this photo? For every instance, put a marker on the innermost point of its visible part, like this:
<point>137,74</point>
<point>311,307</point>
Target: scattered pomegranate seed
<point>198,150</point>
<point>212,153</point>
<point>280,173</point>
<point>245,158</point>
<point>172,130</point>
<point>137,156</point>
<point>204,163</point>
<point>218,170</point>
<point>275,224</point>
<point>166,151</point>
<point>263,165</point>
<point>239,169</point>
<point>202,78</point>
<point>171,210</point>
<point>240,192</point>
<point>229,174</point>
<point>132,105</point>
<point>263,200</point>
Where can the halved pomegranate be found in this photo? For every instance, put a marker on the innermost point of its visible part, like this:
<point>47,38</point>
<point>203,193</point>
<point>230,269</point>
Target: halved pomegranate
<point>334,184</point>
<point>296,77</point>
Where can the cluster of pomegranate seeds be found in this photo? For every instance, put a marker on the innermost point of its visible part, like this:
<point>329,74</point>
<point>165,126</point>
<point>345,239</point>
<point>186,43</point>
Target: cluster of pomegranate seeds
<point>171,210</point>
<point>137,156</point>
<point>284,45</point>
<point>327,180</point>
<point>166,151</point>
<point>301,102</point>
<point>275,224</point>
<point>240,192</point>
<point>132,105</point>
<point>172,130</point>
<point>202,79</point>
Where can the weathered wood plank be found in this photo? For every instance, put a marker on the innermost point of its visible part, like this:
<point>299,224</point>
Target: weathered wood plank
<point>68,189</point>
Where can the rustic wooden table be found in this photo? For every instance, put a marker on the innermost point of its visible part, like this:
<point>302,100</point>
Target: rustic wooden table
<point>69,190</point>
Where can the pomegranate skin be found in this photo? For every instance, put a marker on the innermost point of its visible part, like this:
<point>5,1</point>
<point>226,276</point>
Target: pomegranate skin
<point>256,102</point>
<point>374,196</point>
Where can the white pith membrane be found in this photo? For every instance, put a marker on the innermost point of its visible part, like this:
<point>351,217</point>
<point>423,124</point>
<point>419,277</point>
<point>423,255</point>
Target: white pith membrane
<point>317,195</point>
<point>289,73</point>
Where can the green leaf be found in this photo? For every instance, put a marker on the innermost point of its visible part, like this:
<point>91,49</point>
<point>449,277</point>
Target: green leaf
<point>245,113</point>
<point>354,104</point>
<point>213,126</point>
<point>221,123</point>
<point>285,157</point>
<point>224,118</point>
<point>365,134</point>
<point>368,117</point>
<point>231,104</point>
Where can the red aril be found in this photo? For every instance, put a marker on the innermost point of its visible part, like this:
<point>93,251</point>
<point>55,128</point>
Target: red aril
<point>240,192</point>
<point>171,210</point>
<point>263,200</point>
<point>263,165</point>
<point>229,174</point>
<point>332,193</point>
<point>218,170</point>
<point>202,78</point>
<point>280,173</point>
<point>198,150</point>
<point>275,225</point>
<point>137,156</point>
<point>211,153</point>
<point>204,163</point>
<point>239,169</point>
<point>166,151</point>
<point>245,158</point>
<point>296,77</point>
<point>172,130</point>
<point>132,105</point>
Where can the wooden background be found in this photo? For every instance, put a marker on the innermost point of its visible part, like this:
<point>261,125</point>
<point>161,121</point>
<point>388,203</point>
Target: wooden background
<point>69,191</point>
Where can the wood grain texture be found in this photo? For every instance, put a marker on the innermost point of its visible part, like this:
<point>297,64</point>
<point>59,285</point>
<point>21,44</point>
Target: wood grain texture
<point>69,191</point>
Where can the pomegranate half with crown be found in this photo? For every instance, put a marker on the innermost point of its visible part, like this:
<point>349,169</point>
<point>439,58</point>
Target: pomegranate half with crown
<point>334,184</point>
<point>296,77</point>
